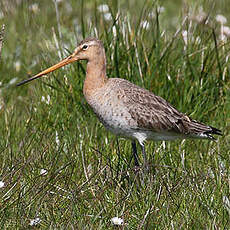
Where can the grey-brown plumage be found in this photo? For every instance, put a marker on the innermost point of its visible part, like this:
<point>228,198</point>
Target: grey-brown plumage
<point>127,109</point>
<point>154,113</point>
<point>137,113</point>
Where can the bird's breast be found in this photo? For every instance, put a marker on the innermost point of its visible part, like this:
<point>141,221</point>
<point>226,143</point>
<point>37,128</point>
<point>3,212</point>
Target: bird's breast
<point>110,108</point>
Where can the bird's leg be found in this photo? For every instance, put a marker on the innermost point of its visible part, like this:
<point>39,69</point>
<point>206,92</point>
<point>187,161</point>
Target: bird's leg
<point>144,156</point>
<point>134,148</point>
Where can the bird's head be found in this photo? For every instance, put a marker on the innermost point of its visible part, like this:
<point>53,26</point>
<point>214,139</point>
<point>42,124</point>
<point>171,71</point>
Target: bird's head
<point>88,49</point>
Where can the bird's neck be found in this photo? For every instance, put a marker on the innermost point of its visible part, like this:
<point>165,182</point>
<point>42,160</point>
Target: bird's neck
<point>95,76</point>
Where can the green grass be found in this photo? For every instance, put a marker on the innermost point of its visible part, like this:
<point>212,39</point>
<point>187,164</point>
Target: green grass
<point>90,178</point>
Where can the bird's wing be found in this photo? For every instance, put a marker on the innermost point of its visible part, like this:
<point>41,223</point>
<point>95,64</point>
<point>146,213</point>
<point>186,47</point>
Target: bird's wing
<point>154,113</point>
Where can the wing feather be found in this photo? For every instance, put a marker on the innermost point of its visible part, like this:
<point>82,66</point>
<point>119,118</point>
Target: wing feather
<point>154,113</point>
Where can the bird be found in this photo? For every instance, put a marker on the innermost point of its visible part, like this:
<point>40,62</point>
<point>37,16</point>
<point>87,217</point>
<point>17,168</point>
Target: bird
<point>126,109</point>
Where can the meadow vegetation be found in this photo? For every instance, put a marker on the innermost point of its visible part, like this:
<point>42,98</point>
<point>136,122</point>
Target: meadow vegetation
<point>60,168</point>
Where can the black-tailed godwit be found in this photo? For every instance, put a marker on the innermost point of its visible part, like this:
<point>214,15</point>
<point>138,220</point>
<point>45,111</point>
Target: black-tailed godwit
<point>126,109</point>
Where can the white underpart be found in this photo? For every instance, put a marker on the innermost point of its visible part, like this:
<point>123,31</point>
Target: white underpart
<point>140,136</point>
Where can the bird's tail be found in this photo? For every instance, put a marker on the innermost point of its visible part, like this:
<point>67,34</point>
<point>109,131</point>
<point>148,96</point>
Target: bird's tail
<point>200,130</point>
<point>214,131</point>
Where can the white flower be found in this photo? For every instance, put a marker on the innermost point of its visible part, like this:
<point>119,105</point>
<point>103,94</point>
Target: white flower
<point>145,24</point>
<point>226,31</point>
<point>221,19</point>
<point>35,221</point>
<point>17,66</point>
<point>103,8</point>
<point>46,100</point>
<point>43,172</point>
<point>117,221</point>
<point>2,184</point>
<point>185,36</point>
<point>108,16</point>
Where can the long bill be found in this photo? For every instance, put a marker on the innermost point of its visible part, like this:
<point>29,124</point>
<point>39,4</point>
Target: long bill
<point>64,62</point>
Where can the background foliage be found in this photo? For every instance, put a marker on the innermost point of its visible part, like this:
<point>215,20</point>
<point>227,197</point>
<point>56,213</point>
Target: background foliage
<point>60,169</point>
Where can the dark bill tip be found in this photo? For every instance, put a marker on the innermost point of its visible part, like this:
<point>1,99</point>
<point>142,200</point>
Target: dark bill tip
<point>27,80</point>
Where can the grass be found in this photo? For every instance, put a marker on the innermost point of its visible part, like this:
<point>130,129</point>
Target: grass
<point>90,176</point>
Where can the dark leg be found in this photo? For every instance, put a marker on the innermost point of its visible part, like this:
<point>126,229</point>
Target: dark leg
<point>134,148</point>
<point>144,156</point>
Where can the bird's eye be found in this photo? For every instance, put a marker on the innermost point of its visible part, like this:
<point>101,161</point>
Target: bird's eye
<point>84,47</point>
